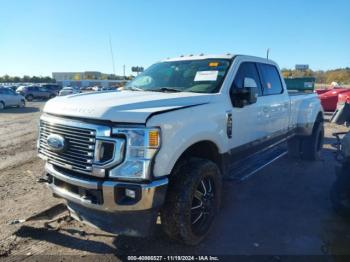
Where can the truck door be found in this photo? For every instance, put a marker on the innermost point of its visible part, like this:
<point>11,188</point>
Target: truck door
<point>248,122</point>
<point>276,112</point>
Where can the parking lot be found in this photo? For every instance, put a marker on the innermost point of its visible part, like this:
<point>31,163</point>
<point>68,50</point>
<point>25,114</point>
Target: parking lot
<point>283,209</point>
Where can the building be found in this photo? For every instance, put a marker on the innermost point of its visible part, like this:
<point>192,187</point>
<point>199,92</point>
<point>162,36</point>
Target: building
<point>302,67</point>
<point>88,78</point>
<point>76,76</point>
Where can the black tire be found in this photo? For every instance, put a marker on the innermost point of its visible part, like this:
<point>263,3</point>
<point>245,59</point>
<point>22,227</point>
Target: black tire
<point>30,97</point>
<point>311,146</point>
<point>192,201</point>
<point>2,105</point>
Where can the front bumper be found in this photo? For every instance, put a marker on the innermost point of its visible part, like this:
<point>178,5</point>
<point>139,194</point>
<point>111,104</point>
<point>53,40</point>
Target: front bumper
<point>104,203</point>
<point>106,195</point>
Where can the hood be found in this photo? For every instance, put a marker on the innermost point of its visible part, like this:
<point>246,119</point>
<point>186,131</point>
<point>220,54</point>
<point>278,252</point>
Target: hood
<point>123,106</point>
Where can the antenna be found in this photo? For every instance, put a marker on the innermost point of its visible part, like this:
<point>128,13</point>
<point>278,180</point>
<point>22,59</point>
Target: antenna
<point>112,56</point>
<point>267,53</point>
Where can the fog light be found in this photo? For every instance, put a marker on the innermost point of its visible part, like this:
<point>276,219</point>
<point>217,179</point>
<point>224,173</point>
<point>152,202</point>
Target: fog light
<point>130,193</point>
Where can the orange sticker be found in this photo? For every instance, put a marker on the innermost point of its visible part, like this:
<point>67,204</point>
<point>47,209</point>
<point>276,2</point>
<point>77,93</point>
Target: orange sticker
<point>213,64</point>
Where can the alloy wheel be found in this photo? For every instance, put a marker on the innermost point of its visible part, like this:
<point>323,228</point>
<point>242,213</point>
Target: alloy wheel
<point>203,206</point>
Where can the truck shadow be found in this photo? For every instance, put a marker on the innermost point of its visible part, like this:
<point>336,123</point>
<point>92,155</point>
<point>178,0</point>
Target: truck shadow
<point>61,239</point>
<point>123,245</point>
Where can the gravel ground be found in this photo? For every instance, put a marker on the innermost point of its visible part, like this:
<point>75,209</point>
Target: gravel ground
<point>282,210</point>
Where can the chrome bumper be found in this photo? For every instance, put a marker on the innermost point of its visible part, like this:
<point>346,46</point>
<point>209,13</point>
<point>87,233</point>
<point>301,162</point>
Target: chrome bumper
<point>151,195</point>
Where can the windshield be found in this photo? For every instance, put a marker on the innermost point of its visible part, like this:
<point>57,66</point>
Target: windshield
<point>200,76</point>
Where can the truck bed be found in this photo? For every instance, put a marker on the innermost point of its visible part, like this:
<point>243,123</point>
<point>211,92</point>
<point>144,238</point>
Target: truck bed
<point>298,93</point>
<point>300,104</point>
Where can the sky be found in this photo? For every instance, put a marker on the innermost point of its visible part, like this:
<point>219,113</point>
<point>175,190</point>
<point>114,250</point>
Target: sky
<point>38,37</point>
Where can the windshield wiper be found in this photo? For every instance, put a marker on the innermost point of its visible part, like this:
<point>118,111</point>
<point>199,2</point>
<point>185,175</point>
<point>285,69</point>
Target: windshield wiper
<point>134,88</point>
<point>165,89</point>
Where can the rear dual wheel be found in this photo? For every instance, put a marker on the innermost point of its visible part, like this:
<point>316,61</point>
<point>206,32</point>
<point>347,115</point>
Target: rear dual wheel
<point>192,202</point>
<point>309,147</point>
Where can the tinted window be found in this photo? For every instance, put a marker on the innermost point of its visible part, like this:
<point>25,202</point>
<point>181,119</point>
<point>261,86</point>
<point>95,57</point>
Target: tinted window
<point>247,69</point>
<point>270,79</point>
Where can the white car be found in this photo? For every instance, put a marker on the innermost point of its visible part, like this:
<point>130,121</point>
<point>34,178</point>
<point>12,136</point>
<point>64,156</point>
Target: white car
<point>96,88</point>
<point>8,98</point>
<point>164,143</point>
<point>68,91</point>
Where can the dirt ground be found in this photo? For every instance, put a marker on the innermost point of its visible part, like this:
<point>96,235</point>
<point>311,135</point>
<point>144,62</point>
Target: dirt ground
<point>282,210</point>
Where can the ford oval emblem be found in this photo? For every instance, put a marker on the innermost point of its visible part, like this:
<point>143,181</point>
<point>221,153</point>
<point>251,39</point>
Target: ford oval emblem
<point>56,142</point>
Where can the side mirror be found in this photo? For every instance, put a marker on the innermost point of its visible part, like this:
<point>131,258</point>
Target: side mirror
<point>246,95</point>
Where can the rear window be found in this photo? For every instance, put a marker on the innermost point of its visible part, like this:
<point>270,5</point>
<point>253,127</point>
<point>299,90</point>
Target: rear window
<point>270,78</point>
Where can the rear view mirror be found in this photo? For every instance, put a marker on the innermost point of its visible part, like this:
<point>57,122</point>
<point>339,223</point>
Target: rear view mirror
<point>246,95</point>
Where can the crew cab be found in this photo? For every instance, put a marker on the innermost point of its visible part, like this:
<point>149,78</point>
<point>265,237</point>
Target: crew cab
<point>163,145</point>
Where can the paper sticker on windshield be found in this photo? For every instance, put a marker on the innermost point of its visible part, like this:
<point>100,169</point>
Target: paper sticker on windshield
<point>206,76</point>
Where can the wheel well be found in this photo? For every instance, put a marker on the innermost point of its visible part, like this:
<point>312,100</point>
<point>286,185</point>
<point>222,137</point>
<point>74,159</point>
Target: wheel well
<point>2,102</point>
<point>203,149</point>
<point>319,117</point>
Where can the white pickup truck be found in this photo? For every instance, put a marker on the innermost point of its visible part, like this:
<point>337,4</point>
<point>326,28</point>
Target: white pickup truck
<point>162,146</point>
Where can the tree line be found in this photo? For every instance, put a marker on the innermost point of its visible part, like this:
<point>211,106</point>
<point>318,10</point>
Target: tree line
<point>26,79</point>
<point>340,75</point>
<point>47,79</point>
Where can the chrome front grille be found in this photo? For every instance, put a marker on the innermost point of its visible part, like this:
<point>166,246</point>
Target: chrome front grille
<point>79,152</point>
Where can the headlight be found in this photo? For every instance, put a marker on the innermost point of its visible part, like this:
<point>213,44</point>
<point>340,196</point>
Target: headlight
<point>142,145</point>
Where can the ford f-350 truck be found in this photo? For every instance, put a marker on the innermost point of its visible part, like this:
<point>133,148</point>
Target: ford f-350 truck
<point>162,146</point>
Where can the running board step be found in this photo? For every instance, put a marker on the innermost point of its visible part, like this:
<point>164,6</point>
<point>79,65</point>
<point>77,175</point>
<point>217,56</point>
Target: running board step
<point>249,166</point>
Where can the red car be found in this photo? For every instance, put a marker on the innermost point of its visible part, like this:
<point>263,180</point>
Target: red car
<point>329,99</point>
<point>322,91</point>
<point>344,98</point>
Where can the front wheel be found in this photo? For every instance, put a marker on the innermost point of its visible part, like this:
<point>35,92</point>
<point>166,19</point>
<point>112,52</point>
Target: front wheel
<point>192,201</point>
